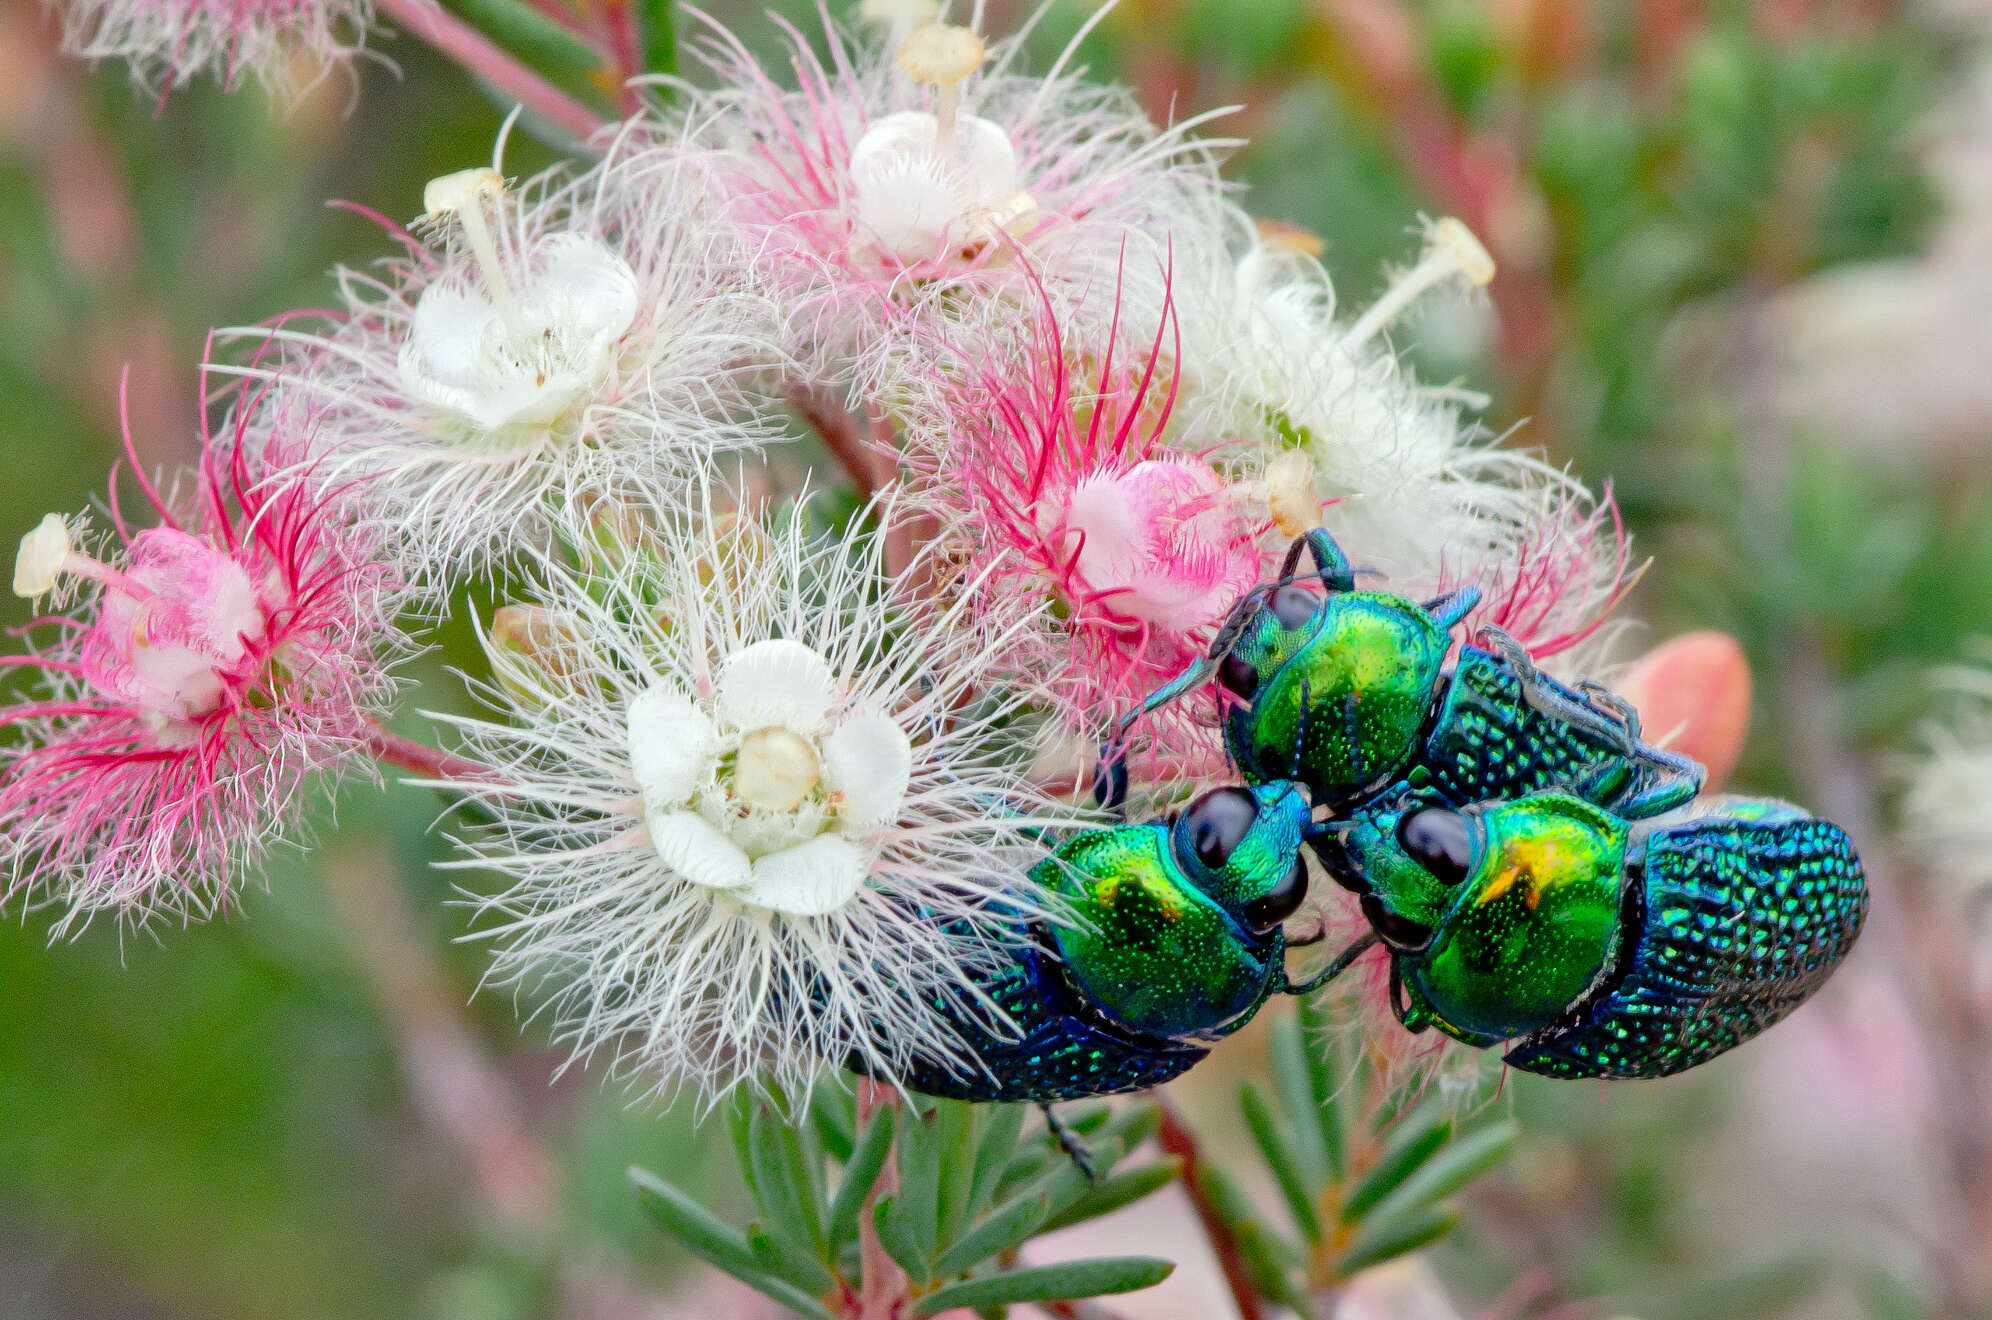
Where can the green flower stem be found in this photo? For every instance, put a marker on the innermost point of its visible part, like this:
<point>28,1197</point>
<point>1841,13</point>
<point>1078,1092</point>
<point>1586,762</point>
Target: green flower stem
<point>1177,1140</point>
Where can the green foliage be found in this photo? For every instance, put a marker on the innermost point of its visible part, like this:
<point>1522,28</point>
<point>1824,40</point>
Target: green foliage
<point>1365,1170</point>
<point>972,1189</point>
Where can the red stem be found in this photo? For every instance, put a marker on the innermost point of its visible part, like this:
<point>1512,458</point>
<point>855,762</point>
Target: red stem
<point>838,431</point>
<point>1178,1140</point>
<point>619,19</point>
<point>479,55</point>
<point>391,748</point>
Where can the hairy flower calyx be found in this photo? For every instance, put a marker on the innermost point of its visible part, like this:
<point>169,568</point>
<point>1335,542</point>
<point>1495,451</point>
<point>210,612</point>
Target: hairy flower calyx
<point>770,790</point>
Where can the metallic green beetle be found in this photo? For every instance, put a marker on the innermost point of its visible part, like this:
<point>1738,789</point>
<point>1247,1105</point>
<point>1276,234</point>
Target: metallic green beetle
<point>1348,692</point>
<point>1593,946</point>
<point>1170,940</point>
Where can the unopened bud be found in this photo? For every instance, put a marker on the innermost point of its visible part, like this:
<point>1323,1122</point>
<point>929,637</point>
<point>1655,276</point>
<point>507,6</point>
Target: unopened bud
<point>536,651</point>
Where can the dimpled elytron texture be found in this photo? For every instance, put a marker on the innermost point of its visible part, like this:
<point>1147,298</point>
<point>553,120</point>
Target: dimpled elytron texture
<point>1147,947</point>
<point>1345,712</point>
<point>1533,925</point>
<point>1745,914</point>
<point>1490,743</point>
<point>1063,1051</point>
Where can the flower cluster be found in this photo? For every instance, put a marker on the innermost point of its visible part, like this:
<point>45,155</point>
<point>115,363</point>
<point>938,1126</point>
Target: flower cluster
<point>763,778</point>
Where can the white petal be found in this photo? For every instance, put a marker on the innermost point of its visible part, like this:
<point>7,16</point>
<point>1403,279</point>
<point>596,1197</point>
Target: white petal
<point>868,760</point>
<point>809,879</point>
<point>671,746</point>
<point>777,682</point>
<point>582,289</point>
<point>690,845</point>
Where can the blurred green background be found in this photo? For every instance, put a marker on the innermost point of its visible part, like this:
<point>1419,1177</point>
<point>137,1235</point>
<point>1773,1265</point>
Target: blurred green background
<point>1739,246</point>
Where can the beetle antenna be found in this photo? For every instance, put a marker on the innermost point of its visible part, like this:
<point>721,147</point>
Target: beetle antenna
<point>1340,963</point>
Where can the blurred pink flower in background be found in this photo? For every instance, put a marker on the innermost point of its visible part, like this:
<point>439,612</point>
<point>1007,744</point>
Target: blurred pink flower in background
<point>168,43</point>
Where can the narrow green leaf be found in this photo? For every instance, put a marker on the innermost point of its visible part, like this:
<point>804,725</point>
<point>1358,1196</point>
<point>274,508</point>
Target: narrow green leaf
<point>657,31</point>
<point>541,42</point>
<point>1009,1227</point>
<point>1316,1162</point>
<point>993,1154</point>
<point>896,1236</point>
<point>1276,1146</point>
<point>1392,1237</point>
<point>961,1124</point>
<point>1121,1188</point>
<point>1272,1263</point>
<point>1032,1159</point>
<point>776,1156</point>
<point>778,1254</point>
<point>1399,1162</point>
<point>1087,1117</point>
<point>1067,1281</point>
<point>739,1130</point>
<point>1455,1167</point>
<point>1133,1125</point>
<point>832,1109</point>
<point>860,1174</point>
<point>718,1244</point>
<point>920,1175</point>
<point>1326,1074</point>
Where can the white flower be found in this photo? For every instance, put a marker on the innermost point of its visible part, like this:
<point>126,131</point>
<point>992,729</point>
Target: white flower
<point>752,809</point>
<point>575,341</point>
<point>1417,494</point>
<point>924,177</point>
<point>918,193</point>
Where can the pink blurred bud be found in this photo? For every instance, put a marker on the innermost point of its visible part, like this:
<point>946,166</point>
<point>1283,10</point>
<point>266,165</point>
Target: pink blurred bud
<point>1693,695</point>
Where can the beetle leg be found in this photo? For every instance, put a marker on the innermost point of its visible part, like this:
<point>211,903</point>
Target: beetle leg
<point>1069,1141</point>
<point>1330,564</point>
<point>1450,608</point>
<point>1110,780</point>
<point>1340,963</point>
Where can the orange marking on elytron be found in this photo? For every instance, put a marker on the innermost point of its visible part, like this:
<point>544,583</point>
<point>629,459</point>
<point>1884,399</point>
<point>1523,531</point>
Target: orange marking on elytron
<point>1523,857</point>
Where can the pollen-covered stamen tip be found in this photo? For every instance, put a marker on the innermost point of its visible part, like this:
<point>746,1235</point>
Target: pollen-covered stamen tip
<point>1291,500</point>
<point>1452,252</point>
<point>43,555</point>
<point>942,56</point>
<point>464,195</point>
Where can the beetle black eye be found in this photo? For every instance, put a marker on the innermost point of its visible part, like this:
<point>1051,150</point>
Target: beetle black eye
<point>1278,903</point>
<point>1215,824</point>
<point>1239,677</point>
<point>1294,606</point>
<point>1438,841</point>
<point>1398,931</point>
